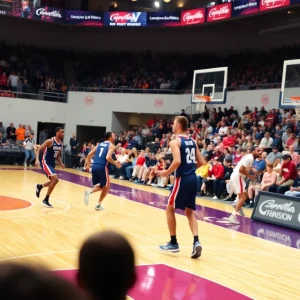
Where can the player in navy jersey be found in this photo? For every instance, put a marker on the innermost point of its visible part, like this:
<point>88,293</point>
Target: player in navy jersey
<point>50,152</point>
<point>186,156</point>
<point>102,154</point>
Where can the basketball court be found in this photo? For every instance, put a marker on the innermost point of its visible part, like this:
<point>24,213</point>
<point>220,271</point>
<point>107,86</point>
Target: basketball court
<point>253,260</point>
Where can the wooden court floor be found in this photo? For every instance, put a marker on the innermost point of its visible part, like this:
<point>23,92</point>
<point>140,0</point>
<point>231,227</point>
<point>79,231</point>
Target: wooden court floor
<point>259,262</point>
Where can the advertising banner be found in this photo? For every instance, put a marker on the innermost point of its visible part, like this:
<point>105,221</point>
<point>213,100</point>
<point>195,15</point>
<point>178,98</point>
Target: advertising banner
<point>5,7</point>
<point>84,18</point>
<point>270,4</point>
<point>244,7</point>
<point>163,19</point>
<point>277,209</point>
<point>49,14</point>
<point>193,17</point>
<point>219,12</point>
<point>130,19</point>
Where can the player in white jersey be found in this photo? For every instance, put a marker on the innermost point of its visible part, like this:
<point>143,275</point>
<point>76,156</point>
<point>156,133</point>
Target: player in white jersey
<point>237,178</point>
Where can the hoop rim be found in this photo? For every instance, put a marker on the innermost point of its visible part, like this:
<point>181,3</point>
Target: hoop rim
<point>201,98</point>
<point>295,98</point>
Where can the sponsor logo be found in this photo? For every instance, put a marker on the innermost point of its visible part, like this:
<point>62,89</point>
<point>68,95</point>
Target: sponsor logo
<point>273,3</point>
<point>270,4</point>
<point>159,102</point>
<point>3,12</point>
<point>274,236</point>
<point>219,13</point>
<point>265,99</point>
<point>89,100</point>
<point>46,13</point>
<point>89,17</point>
<point>271,209</point>
<point>164,18</point>
<point>7,94</point>
<point>193,17</point>
<point>121,18</point>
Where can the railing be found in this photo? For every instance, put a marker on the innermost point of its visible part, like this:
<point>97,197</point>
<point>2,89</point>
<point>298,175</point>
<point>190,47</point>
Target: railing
<point>128,90</point>
<point>42,95</point>
<point>45,95</point>
<point>170,91</point>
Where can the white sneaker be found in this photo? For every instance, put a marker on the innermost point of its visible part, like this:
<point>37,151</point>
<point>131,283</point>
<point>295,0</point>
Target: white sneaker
<point>241,211</point>
<point>87,197</point>
<point>233,219</point>
<point>215,198</point>
<point>25,165</point>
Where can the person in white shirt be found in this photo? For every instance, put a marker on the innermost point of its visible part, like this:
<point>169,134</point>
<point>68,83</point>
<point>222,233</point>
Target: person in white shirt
<point>13,80</point>
<point>266,142</point>
<point>29,145</point>
<point>237,178</point>
<point>223,130</point>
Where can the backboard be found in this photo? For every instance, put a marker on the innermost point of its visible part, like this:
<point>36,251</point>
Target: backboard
<point>290,84</point>
<point>210,82</point>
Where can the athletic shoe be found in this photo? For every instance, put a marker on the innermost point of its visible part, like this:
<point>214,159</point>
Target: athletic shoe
<point>228,199</point>
<point>250,205</point>
<point>215,198</point>
<point>99,207</point>
<point>233,219</point>
<point>25,165</point>
<point>241,212</point>
<point>169,247</point>
<point>38,190</point>
<point>87,197</point>
<point>47,204</point>
<point>197,249</point>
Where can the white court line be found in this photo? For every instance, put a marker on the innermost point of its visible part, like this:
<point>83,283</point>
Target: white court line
<point>41,214</point>
<point>38,254</point>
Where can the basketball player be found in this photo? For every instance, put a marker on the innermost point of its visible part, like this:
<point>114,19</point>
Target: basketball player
<point>237,178</point>
<point>100,177</point>
<point>50,150</point>
<point>186,156</point>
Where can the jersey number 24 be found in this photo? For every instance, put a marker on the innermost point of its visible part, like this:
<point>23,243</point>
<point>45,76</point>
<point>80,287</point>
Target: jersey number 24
<point>190,155</point>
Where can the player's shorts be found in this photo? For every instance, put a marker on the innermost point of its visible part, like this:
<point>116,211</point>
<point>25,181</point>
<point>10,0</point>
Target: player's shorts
<point>184,192</point>
<point>48,169</point>
<point>238,183</point>
<point>100,176</point>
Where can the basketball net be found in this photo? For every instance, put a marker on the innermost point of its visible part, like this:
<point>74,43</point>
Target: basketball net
<point>201,101</point>
<point>296,101</point>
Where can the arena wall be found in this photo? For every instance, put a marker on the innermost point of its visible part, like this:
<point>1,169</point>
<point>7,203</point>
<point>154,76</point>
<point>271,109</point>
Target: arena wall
<point>98,109</point>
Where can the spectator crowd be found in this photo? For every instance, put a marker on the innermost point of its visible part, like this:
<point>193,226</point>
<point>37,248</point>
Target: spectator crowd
<point>29,69</point>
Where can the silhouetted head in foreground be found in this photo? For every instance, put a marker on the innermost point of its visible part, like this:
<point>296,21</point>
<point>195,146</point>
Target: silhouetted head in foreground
<point>106,266</point>
<point>25,282</point>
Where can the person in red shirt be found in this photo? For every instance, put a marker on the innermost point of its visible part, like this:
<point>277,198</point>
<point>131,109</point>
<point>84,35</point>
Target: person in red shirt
<point>228,141</point>
<point>290,141</point>
<point>287,175</point>
<point>215,174</point>
<point>3,81</point>
<point>139,163</point>
<point>151,122</point>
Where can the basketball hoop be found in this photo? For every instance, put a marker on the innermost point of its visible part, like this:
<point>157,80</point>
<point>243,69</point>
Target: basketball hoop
<point>201,101</point>
<point>296,101</point>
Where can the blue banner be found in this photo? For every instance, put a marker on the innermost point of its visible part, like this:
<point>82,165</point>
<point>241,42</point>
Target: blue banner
<point>244,7</point>
<point>84,18</point>
<point>163,19</point>
<point>130,19</point>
